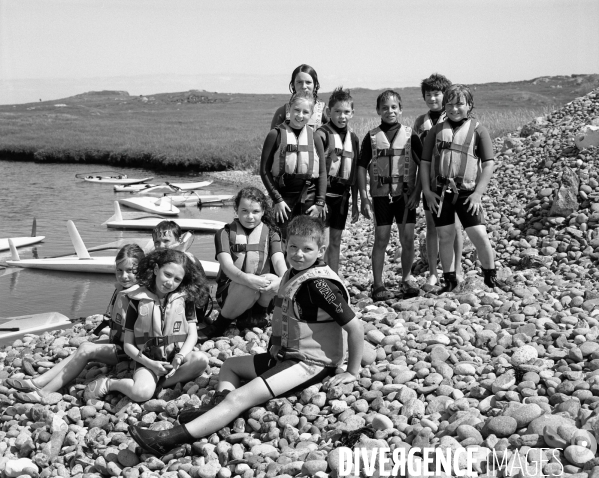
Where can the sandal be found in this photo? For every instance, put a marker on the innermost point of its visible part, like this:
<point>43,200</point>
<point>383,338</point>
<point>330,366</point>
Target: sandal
<point>21,384</point>
<point>381,294</point>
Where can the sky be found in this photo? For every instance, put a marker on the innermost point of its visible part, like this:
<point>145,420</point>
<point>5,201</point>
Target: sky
<point>51,49</point>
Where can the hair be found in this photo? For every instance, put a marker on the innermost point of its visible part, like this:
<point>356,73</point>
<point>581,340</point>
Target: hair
<point>305,69</point>
<point>167,226</point>
<point>254,194</point>
<point>386,95</point>
<point>435,82</point>
<point>459,91</point>
<point>307,226</point>
<point>129,251</point>
<point>194,283</point>
<point>302,95</point>
<point>340,95</point>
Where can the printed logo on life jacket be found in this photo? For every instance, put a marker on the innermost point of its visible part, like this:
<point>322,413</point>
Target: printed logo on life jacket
<point>121,303</point>
<point>118,319</point>
<point>177,326</point>
<point>328,294</point>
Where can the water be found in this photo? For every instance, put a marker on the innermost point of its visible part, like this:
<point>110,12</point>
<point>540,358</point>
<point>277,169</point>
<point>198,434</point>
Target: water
<point>51,194</point>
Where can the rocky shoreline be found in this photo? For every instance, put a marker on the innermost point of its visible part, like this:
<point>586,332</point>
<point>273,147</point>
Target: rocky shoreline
<point>509,371</point>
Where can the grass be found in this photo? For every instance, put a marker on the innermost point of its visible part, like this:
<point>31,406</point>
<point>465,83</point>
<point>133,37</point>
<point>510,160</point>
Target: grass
<point>210,131</point>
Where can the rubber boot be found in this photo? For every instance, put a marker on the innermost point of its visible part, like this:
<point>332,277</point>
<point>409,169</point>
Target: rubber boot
<point>215,329</point>
<point>158,442</point>
<point>491,278</point>
<point>189,414</point>
<point>450,282</point>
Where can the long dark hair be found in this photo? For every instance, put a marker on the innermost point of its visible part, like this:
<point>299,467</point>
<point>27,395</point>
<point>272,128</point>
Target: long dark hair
<point>194,283</point>
<point>305,69</point>
<point>254,194</point>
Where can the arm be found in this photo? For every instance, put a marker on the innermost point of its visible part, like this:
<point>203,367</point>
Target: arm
<point>355,346</point>
<point>416,150</point>
<point>278,117</point>
<point>432,198</point>
<point>364,161</point>
<point>159,368</point>
<point>238,276</point>
<point>321,184</point>
<point>269,149</point>
<point>355,211</point>
<point>484,150</point>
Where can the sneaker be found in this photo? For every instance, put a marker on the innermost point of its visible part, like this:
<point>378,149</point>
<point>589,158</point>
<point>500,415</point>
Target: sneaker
<point>409,289</point>
<point>190,414</point>
<point>97,389</point>
<point>215,329</point>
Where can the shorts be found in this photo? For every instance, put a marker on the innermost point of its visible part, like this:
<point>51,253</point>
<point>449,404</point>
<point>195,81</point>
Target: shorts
<point>449,211</point>
<point>288,375</point>
<point>385,211</point>
<point>337,212</point>
<point>298,209</point>
<point>120,354</point>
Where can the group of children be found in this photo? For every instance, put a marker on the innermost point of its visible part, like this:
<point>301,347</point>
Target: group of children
<point>311,164</point>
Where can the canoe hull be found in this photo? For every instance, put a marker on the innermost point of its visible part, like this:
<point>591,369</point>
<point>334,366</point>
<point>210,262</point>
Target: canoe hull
<point>20,242</point>
<point>205,225</point>
<point>117,181</point>
<point>32,324</point>
<point>149,205</point>
<point>156,187</point>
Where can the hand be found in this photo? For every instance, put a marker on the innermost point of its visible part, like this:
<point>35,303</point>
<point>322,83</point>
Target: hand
<point>176,363</point>
<point>474,203</point>
<point>159,368</point>
<point>257,282</point>
<point>340,378</point>
<point>355,214</point>
<point>282,211</point>
<point>413,200</point>
<point>315,211</point>
<point>366,207</point>
<point>433,201</point>
<point>275,281</point>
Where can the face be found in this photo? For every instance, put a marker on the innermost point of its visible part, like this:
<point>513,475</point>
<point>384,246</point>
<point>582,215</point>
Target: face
<point>341,113</point>
<point>389,111</point>
<point>125,273</point>
<point>303,82</point>
<point>299,113</point>
<point>457,108</point>
<point>434,100</point>
<point>168,278</point>
<point>302,252</point>
<point>249,213</point>
<point>166,240</point>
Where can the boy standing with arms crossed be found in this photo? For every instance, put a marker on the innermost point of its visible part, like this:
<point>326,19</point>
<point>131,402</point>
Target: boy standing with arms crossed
<point>341,147</point>
<point>308,345</point>
<point>388,153</point>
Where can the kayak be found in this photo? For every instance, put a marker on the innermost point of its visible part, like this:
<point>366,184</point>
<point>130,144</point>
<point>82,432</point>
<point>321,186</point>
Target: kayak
<point>31,324</point>
<point>114,180</point>
<point>163,206</point>
<point>117,221</point>
<point>20,242</point>
<point>170,188</point>
<point>181,200</point>
<point>181,186</point>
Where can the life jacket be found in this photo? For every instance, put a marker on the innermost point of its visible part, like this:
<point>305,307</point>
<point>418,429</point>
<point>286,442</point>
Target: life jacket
<point>297,156</point>
<point>339,156</point>
<point>158,332</point>
<point>454,164</point>
<point>427,122</point>
<point>322,342</point>
<point>392,170</point>
<point>315,120</point>
<point>115,314</point>
<point>249,253</point>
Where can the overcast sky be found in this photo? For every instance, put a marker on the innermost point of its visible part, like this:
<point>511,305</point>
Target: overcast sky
<point>56,48</point>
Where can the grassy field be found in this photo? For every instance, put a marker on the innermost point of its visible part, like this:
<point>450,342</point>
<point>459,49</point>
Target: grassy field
<point>206,131</point>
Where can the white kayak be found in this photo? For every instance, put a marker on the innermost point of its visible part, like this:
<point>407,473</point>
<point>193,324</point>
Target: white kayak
<point>163,206</point>
<point>181,200</point>
<point>31,324</point>
<point>165,186</point>
<point>117,221</point>
<point>114,180</point>
<point>22,241</point>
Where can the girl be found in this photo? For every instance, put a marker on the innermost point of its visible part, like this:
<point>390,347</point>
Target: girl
<point>291,166</point>
<point>457,165</point>
<point>303,78</point>
<point>248,250</point>
<point>160,327</point>
<point>109,351</point>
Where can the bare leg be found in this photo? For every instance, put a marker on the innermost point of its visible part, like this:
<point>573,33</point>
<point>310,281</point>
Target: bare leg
<point>333,251</point>
<point>239,299</point>
<point>406,238</point>
<point>192,367</point>
<point>432,248</point>
<point>381,239</point>
<point>458,247</point>
<point>480,239</point>
<point>446,239</point>
<point>234,371</point>
<point>140,388</point>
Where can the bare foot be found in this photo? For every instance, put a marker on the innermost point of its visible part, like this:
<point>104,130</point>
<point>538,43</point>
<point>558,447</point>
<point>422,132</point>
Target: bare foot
<point>432,280</point>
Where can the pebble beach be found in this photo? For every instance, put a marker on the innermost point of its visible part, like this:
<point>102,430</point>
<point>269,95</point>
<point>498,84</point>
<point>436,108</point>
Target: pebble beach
<point>509,371</point>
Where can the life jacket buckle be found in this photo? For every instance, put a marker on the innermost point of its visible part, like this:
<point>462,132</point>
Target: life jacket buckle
<point>291,148</point>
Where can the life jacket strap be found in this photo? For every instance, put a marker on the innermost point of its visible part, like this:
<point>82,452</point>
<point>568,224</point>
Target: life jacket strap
<point>389,152</point>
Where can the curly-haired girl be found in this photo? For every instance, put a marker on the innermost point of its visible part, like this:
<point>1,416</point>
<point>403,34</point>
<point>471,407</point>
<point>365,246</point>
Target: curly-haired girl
<point>160,327</point>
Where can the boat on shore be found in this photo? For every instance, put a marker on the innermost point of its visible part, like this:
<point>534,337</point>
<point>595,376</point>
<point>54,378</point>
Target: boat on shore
<point>163,188</point>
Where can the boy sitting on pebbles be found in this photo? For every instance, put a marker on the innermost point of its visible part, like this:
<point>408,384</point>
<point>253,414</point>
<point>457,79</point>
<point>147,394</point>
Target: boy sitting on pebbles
<point>307,345</point>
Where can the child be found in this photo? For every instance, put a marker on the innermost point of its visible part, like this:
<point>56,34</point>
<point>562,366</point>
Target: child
<point>457,165</point>
<point>291,166</point>
<point>341,146</point>
<point>308,345</point>
<point>433,89</point>
<point>389,152</point>
<point>109,351</point>
<point>160,330</point>
<point>303,78</point>
<point>248,250</point>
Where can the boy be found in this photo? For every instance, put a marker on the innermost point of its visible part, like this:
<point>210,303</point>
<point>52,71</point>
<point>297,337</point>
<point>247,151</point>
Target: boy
<point>433,89</point>
<point>341,147</point>
<point>389,152</point>
<point>311,312</point>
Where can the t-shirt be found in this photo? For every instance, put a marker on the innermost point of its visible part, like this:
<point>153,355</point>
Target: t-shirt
<point>280,117</point>
<point>335,188</point>
<point>390,131</point>
<point>483,146</point>
<point>322,294</point>
<point>132,314</point>
<point>292,187</point>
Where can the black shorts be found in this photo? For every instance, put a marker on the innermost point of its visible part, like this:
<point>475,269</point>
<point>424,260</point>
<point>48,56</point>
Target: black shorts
<point>449,211</point>
<point>298,209</point>
<point>385,211</point>
<point>337,212</point>
<point>288,375</point>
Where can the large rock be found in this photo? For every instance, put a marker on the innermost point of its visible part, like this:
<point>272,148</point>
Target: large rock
<point>566,199</point>
<point>587,137</point>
